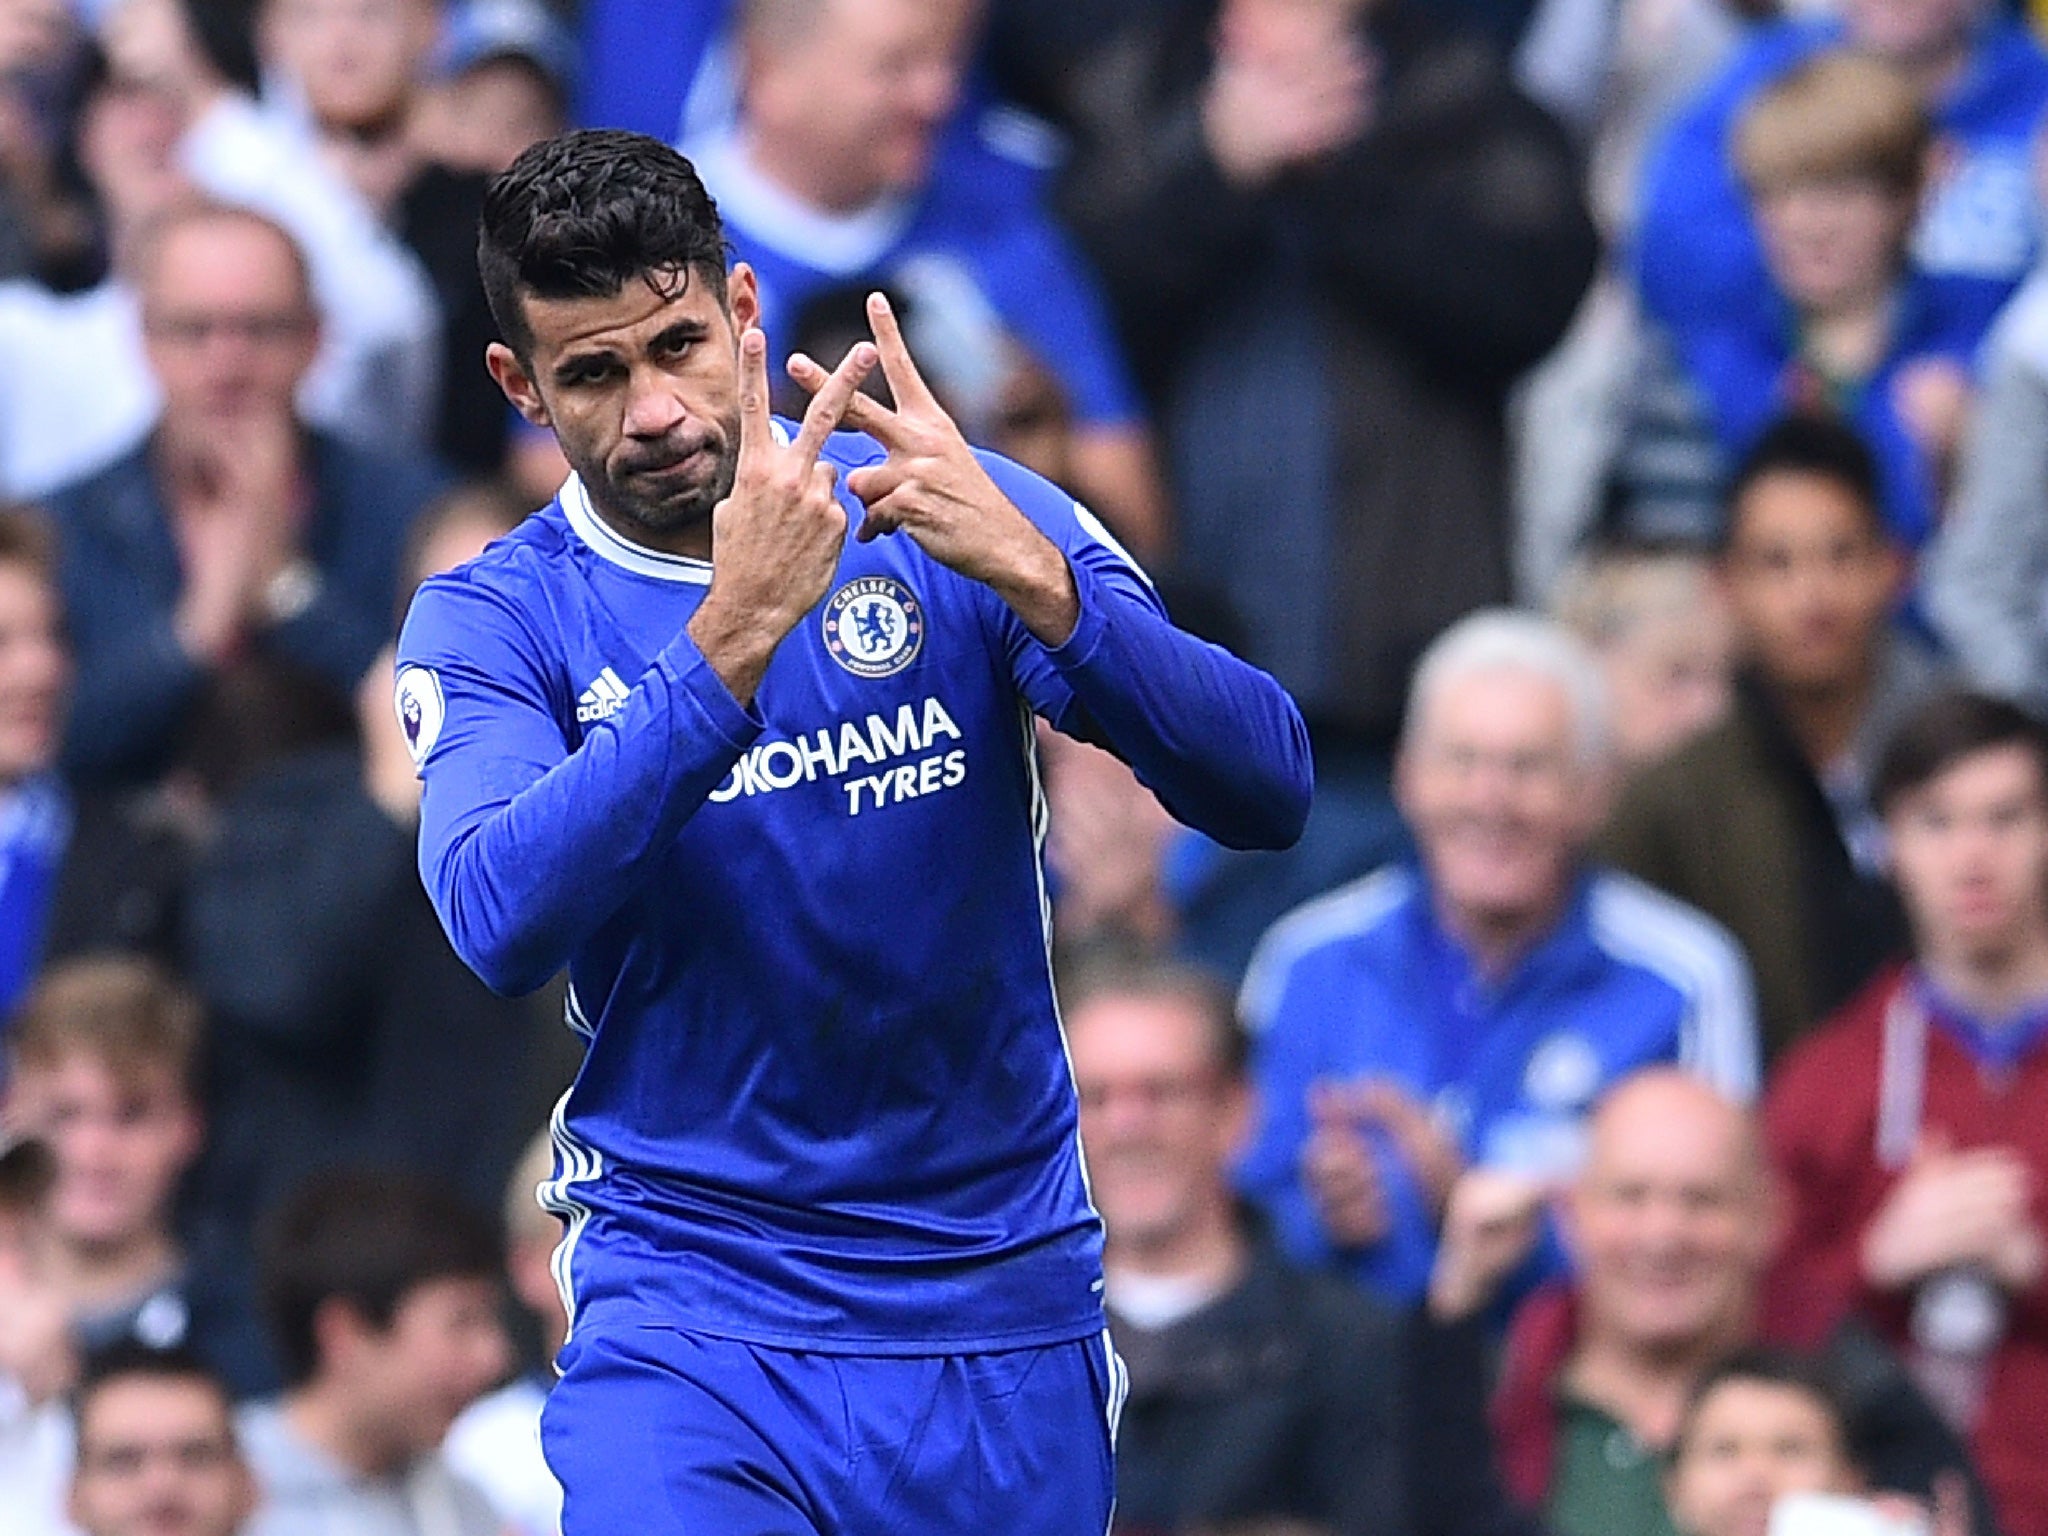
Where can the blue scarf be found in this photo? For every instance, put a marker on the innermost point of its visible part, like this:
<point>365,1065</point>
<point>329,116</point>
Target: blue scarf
<point>35,827</point>
<point>1998,1045</point>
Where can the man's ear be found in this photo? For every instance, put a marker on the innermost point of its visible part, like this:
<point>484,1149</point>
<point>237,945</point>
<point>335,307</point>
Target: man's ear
<point>743,297</point>
<point>517,383</point>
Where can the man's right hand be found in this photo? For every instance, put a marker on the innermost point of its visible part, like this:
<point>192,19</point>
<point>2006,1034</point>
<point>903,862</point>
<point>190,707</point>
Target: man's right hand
<point>1952,1208</point>
<point>776,540</point>
<point>1490,1225</point>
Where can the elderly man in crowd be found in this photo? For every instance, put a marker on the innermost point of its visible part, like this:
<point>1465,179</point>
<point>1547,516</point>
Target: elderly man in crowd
<point>1673,1221</point>
<point>1472,1007</point>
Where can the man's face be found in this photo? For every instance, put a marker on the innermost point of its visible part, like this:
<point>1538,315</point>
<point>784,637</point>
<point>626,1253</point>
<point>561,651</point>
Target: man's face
<point>1670,1219</point>
<point>157,1457</point>
<point>641,389</point>
<point>863,95</point>
<point>1492,781</point>
<point>491,111</point>
<point>1911,32</point>
<point>1669,680</point>
<point>1969,851</point>
<point>1750,1443</point>
<point>35,673</point>
<point>120,1142</point>
<point>127,142</point>
<point>357,60</point>
<point>1810,580</point>
<point>443,1349</point>
<point>228,322</point>
<point>1159,1118</point>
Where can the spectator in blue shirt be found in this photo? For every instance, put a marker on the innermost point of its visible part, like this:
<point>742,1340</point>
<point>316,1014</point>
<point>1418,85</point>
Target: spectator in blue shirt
<point>1983,82</point>
<point>1832,157</point>
<point>839,169</point>
<point>1471,1008</point>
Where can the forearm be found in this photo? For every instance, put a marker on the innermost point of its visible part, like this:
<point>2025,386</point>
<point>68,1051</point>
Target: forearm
<point>521,882</point>
<point>1219,742</point>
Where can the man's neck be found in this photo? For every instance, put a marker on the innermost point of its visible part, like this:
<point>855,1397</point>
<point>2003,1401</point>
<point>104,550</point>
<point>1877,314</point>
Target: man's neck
<point>1848,340</point>
<point>1497,941</point>
<point>1824,719</point>
<point>1212,1249</point>
<point>1645,1390</point>
<point>103,1277</point>
<point>805,177</point>
<point>325,1420</point>
<point>1935,74</point>
<point>1995,986</point>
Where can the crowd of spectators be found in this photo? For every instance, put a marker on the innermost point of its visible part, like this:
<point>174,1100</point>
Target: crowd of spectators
<point>1621,424</point>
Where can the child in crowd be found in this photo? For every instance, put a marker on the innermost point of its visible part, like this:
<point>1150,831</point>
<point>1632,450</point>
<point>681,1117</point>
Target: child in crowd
<point>1766,1423</point>
<point>1832,159</point>
<point>1661,631</point>
<point>104,1059</point>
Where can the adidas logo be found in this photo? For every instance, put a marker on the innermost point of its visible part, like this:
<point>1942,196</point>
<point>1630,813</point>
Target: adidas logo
<point>604,698</point>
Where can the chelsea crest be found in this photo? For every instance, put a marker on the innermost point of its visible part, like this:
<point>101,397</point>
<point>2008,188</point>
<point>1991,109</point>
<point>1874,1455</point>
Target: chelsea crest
<point>874,626</point>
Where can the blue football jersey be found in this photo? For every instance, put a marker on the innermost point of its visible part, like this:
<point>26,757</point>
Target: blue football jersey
<point>825,1102</point>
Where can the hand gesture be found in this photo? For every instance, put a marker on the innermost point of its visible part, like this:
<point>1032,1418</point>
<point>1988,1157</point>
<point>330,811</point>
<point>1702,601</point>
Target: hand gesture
<point>1285,92</point>
<point>1338,1165</point>
<point>776,539</point>
<point>235,518</point>
<point>932,487</point>
<point>1951,1208</point>
<point>1490,1224</point>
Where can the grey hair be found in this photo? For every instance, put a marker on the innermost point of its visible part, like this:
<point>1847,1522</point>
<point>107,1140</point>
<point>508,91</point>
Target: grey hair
<point>1497,640</point>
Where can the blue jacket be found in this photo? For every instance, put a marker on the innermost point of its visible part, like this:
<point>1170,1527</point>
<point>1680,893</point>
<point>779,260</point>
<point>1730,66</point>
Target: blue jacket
<point>1747,370</point>
<point>1697,256</point>
<point>1366,982</point>
<point>121,580</point>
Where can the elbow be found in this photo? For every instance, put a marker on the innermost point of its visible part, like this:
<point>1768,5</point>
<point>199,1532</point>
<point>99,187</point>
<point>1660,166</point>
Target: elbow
<point>507,968</point>
<point>1276,802</point>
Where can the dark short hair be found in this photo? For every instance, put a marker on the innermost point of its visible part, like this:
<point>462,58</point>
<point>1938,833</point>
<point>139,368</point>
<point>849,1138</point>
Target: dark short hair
<point>1941,731</point>
<point>583,214</point>
<point>1809,443</point>
<point>1121,971</point>
<point>1775,1367</point>
<point>131,1360</point>
<point>27,540</point>
<point>367,1238</point>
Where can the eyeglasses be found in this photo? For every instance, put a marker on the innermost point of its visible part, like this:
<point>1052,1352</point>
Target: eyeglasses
<point>1164,1092</point>
<point>129,1460</point>
<point>194,330</point>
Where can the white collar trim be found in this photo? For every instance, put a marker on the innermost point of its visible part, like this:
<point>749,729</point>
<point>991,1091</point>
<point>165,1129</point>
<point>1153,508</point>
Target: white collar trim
<point>840,245</point>
<point>621,551</point>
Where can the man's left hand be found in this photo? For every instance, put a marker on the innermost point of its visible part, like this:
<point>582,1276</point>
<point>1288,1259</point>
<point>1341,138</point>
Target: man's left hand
<point>932,487</point>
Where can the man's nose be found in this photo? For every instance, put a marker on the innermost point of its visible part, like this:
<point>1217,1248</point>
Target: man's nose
<point>652,410</point>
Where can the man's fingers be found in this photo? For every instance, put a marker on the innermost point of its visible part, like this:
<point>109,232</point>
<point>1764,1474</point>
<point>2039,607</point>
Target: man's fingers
<point>878,517</point>
<point>905,382</point>
<point>874,483</point>
<point>831,397</point>
<point>755,433</point>
<point>863,413</point>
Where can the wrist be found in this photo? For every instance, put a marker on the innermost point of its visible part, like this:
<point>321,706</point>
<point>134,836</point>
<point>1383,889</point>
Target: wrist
<point>1040,589</point>
<point>293,589</point>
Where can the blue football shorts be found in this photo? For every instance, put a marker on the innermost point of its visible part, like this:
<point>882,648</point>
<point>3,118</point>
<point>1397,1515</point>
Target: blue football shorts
<point>661,1432</point>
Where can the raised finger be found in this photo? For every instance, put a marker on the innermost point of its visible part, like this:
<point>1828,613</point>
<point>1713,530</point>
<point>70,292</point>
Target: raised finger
<point>905,382</point>
<point>864,413</point>
<point>755,432</point>
<point>830,400</point>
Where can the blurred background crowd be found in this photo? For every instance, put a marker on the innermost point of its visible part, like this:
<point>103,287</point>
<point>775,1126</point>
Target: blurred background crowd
<point>1623,426</point>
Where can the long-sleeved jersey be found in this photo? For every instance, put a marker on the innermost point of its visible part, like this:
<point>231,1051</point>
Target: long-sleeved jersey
<point>825,1102</point>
